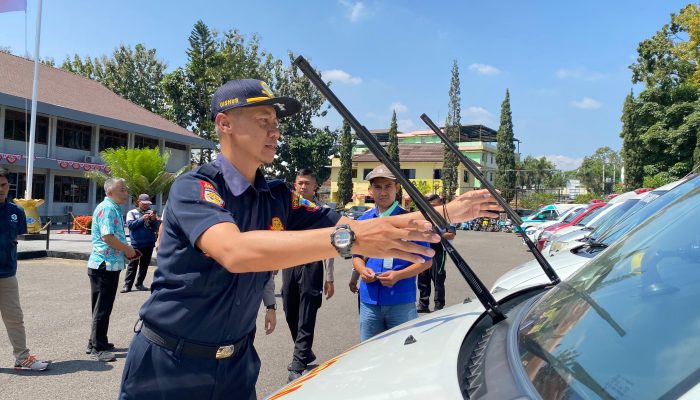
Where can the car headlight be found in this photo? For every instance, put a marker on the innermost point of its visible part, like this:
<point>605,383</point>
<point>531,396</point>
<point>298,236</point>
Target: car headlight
<point>546,234</point>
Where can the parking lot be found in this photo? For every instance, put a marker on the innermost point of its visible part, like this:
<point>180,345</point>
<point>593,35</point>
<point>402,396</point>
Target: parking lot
<point>55,299</point>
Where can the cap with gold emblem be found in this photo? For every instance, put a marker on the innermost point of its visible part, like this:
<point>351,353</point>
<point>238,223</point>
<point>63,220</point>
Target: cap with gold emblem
<point>248,93</point>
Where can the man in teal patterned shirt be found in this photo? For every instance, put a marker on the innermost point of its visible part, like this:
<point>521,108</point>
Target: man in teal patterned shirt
<point>108,258</point>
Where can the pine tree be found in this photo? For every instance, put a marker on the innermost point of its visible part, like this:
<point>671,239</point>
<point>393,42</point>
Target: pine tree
<point>452,128</point>
<point>505,152</point>
<point>393,148</point>
<point>632,146</point>
<point>345,174</point>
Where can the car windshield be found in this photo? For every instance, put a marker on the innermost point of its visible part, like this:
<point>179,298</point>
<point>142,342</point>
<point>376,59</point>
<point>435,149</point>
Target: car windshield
<point>644,209</point>
<point>573,213</point>
<point>586,219</point>
<point>626,325</point>
<point>612,218</point>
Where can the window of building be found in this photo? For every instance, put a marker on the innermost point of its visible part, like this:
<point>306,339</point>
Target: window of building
<point>141,142</point>
<point>73,135</point>
<point>110,139</point>
<point>354,173</point>
<point>18,184</point>
<point>70,189</point>
<point>437,174</point>
<point>365,172</point>
<point>409,173</point>
<point>17,127</point>
<point>100,193</point>
<point>491,154</point>
<point>175,146</point>
<point>465,177</point>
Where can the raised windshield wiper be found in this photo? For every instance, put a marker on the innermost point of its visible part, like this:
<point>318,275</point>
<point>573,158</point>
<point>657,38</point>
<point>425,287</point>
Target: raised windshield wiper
<point>439,224</point>
<point>469,164</point>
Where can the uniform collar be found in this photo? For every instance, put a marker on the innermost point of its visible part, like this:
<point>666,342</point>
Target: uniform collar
<point>235,181</point>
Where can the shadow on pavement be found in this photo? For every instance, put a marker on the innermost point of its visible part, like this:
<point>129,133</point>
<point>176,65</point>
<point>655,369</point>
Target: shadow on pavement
<point>63,368</point>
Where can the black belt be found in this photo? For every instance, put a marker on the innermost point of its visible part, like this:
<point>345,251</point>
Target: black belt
<point>192,349</point>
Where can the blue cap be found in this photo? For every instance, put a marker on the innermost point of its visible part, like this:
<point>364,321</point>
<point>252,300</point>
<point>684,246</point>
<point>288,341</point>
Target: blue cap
<point>248,93</point>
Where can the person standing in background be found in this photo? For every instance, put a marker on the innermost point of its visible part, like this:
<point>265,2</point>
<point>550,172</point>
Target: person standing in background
<point>143,227</point>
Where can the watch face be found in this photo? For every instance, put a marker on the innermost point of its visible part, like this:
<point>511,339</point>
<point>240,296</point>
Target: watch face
<point>342,239</point>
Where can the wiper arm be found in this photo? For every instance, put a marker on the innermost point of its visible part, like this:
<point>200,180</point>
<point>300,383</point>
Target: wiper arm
<point>469,164</point>
<point>575,369</point>
<point>439,224</point>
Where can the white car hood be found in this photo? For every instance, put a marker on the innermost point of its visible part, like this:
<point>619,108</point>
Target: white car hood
<point>565,263</point>
<point>384,367</point>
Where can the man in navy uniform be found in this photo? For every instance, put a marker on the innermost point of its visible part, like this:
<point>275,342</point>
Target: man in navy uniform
<point>226,228</point>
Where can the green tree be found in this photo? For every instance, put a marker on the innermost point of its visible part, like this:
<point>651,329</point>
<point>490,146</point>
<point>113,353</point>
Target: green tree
<point>505,152</point>
<point>201,72</point>
<point>345,187</point>
<point>302,143</point>
<point>393,148</point>
<point>534,200</point>
<point>603,166</point>
<point>632,149</point>
<point>142,169</point>
<point>452,130</point>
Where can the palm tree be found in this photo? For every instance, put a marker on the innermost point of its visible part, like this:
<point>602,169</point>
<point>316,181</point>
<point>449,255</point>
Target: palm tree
<point>142,169</point>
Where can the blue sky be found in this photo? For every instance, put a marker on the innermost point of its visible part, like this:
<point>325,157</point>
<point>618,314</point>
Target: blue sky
<point>565,63</point>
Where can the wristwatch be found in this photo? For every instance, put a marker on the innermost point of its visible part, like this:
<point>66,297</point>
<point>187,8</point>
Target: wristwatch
<point>272,307</point>
<point>342,239</point>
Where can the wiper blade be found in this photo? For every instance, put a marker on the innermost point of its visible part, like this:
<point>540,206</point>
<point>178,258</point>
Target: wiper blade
<point>469,164</point>
<point>440,225</point>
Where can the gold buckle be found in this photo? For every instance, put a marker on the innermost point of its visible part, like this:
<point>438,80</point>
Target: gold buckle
<point>225,352</point>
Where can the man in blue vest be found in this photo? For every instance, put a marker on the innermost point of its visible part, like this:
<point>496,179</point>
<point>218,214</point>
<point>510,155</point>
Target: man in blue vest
<point>13,223</point>
<point>388,285</point>
<point>226,228</point>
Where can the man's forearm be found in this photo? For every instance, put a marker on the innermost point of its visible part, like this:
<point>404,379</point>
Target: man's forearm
<point>115,243</point>
<point>414,269</point>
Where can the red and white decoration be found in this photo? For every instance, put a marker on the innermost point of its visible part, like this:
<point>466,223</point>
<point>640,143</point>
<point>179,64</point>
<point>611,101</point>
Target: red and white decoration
<point>10,158</point>
<point>77,165</point>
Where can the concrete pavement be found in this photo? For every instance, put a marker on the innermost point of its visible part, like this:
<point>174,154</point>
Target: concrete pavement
<point>55,295</point>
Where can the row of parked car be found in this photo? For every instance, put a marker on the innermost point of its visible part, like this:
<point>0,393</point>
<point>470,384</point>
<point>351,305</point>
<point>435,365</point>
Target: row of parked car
<point>622,324</point>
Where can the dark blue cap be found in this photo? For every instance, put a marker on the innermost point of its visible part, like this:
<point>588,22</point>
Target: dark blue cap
<point>248,93</point>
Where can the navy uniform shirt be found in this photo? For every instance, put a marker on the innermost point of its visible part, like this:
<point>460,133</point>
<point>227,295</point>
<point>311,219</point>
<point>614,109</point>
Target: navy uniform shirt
<point>12,223</point>
<point>195,298</point>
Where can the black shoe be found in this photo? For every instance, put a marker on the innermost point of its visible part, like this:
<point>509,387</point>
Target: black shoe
<point>439,306</point>
<point>141,287</point>
<point>293,375</point>
<point>126,289</point>
<point>88,349</point>
<point>422,309</point>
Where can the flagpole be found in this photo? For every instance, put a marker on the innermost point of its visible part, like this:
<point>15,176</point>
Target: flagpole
<point>35,94</point>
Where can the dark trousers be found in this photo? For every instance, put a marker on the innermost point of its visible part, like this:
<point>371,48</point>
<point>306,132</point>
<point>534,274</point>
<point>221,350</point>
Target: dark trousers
<point>154,373</point>
<point>103,288</point>
<point>302,292</point>
<point>436,273</point>
<point>141,265</point>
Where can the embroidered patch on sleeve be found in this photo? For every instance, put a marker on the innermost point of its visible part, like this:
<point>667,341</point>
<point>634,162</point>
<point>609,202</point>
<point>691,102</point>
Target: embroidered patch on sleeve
<point>298,201</point>
<point>276,224</point>
<point>210,194</point>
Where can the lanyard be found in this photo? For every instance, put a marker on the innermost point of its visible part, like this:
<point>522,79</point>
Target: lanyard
<point>389,210</point>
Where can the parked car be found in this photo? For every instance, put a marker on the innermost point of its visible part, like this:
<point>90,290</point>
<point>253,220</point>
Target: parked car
<point>355,211</point>
<point>547,215</point>
<point>590,211</point>
<point>624,326</point>
<point>625,218</point>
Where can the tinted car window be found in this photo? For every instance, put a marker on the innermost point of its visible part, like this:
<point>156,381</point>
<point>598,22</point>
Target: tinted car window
<point>613,218</point>
<point>627,324</point>
<point>573,214</point>
<point>649,206</point>
<point>590,216</point>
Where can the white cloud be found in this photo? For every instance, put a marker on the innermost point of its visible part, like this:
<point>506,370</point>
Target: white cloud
<point>564,163</point>
<point>338,75</point>
<point>580,73</point>
<point>356,10</point>
<point>587,103</point>
<point>483,69</point>
<point>477,115</point>
<point>398,107</point>
<point>406,125</point>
